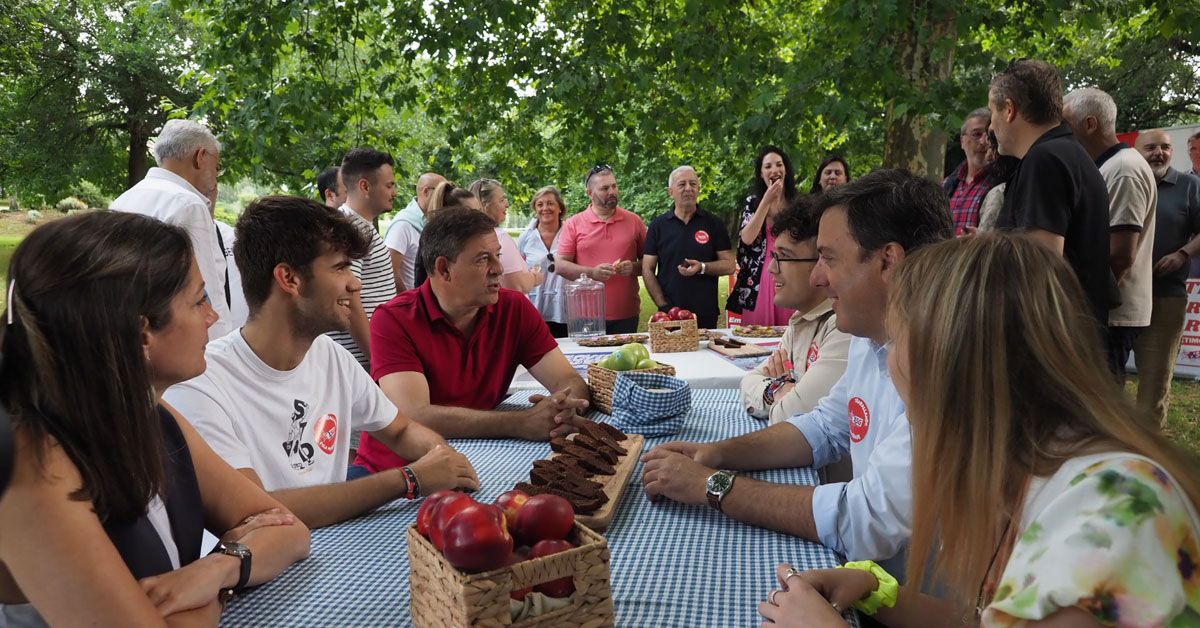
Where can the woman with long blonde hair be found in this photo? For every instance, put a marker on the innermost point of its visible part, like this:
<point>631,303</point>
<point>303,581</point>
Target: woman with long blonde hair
<point>517,276</point>
<point>1038,497</point>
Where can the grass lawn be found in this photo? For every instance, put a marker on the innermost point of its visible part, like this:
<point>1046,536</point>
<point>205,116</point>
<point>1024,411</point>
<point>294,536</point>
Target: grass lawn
<point>8,244</point>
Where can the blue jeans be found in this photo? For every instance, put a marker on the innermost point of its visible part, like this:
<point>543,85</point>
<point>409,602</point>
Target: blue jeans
<point>355,471</point>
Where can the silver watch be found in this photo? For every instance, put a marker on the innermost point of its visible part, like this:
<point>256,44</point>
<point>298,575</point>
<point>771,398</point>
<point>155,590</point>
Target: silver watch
<point>718,486</point>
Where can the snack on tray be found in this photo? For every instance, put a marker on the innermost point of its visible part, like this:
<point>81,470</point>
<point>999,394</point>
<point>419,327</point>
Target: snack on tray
<point>758,331</point>
<point>570,474</point>
<point>732,343</point>
<point>581,504</point>
<point>612,341</point>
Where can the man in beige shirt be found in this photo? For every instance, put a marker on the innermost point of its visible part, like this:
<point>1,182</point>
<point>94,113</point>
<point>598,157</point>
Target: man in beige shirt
<point>812,355</point>
<point>1133,200</point>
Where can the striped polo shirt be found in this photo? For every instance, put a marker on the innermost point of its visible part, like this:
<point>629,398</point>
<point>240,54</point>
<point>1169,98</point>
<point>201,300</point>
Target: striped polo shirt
<point>378,282</point>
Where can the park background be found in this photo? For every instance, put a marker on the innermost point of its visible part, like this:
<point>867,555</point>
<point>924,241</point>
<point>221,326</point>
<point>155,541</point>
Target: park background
<point>536,93</point>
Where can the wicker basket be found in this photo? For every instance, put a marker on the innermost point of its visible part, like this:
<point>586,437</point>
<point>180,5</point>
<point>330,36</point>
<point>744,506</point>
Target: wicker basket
<point>674,336</point>
<point>602,381</point>
<point>443,596</point>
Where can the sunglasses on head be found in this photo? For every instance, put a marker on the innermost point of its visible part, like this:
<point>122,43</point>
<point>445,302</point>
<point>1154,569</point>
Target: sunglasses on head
<point>597,169</point>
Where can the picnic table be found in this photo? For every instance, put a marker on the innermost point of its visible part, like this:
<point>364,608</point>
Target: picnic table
<point>700,369</point>
<point>671,565</point>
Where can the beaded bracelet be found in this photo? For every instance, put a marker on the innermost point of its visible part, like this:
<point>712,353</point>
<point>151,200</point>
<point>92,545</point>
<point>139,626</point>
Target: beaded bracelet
<point>414,487</point>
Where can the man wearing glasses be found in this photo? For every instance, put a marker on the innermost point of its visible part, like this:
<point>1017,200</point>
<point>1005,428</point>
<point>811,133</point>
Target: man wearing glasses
<point>811,357</point>
<point>181,191</point>
<point>969,183</point>
<point>867,227</point>
<point>694,250</point>
<point>605,242</point>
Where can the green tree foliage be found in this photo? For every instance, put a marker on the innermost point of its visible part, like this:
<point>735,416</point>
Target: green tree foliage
<point>536,93</point>
<point>85,85</point>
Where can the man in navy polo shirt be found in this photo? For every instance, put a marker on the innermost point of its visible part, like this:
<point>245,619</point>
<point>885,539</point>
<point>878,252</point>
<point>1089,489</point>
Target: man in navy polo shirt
<point>693,249</point>
<point>446,352</point>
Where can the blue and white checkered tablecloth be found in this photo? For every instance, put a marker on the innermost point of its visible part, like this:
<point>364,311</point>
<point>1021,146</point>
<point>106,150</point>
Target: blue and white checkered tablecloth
<point>672,564</point>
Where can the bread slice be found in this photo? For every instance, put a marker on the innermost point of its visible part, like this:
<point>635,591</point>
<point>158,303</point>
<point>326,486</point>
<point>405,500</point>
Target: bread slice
<point>582,505</point>
<point>606,451</point>
<point>588,459</point>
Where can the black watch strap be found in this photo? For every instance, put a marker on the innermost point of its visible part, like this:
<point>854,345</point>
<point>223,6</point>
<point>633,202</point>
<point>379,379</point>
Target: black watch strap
<point>242,553</point>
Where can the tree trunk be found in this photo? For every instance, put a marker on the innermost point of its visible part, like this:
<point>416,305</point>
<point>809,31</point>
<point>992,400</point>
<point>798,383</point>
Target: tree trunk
<point>924,56</point>
<point>137,154</point>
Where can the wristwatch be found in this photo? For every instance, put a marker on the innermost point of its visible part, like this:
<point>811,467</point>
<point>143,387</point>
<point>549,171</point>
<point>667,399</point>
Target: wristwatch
<point>239,551</point>
<point>718,486</point>
<point>773,386</point>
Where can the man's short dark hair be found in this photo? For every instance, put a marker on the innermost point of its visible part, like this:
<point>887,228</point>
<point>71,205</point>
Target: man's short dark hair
<point>362,163</point>
<point>799,220</point>
<point>289,230</point>
<point>1195,136</point>
<point>327,180</point>
<point>447,232</point>
<point>892,206</point>
<point>1034,87</point>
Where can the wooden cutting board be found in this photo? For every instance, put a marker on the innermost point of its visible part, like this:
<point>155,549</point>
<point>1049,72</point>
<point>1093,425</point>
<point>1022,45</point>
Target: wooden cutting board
<point>748,351</point>
<point>615,484</point>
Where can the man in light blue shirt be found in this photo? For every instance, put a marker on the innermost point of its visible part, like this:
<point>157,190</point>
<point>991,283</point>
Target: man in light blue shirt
<point>867,227</point>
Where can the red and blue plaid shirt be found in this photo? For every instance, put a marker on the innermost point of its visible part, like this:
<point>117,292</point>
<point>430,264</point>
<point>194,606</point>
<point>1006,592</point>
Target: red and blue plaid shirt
<point>965,198</point>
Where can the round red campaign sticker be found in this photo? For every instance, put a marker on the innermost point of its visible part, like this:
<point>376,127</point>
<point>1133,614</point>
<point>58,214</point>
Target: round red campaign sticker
<point>325,432</point>
<point>702,237</point>
<point>813,354</point>
<point>860,419</point>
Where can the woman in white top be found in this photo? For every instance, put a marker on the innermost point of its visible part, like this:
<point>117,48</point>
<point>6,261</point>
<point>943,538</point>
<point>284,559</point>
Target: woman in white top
<point>1040,498</point>
<point>537,245</point>
<point>495,204</point>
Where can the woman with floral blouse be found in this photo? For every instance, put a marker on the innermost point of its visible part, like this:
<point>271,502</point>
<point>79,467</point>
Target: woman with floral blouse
<point>1040,499</point>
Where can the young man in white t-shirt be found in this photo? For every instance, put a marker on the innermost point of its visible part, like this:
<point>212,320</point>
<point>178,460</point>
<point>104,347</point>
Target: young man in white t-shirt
<point>280,399</point>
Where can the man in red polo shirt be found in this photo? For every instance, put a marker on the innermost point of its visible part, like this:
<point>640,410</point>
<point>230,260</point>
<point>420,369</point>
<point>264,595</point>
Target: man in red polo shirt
<point>446,352</point>
<point>605,242</point>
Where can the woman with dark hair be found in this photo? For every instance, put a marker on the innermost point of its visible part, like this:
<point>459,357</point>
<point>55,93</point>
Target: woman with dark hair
<point>537,245</point>
<point>1043,499</point>
<point>831,172</point>
<point>773,188</point>
<point>104,518</point>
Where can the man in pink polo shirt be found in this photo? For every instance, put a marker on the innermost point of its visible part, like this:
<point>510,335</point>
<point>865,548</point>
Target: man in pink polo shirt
<point>446,352</point>
<point>605,242</point>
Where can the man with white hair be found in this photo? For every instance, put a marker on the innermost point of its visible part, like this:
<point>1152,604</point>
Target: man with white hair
<point>694,249</point>
<point>1176,241</point>
<point>1132,201</point>
<point>178,192</point>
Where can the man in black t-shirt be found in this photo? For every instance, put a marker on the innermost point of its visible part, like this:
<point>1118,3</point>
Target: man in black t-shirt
<point>694,251</point>
<point>1056,195</point>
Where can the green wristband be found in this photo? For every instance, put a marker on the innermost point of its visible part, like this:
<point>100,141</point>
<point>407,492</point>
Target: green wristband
<point>884,595</point>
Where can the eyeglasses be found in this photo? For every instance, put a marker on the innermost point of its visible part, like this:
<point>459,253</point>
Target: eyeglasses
<point>550,257</point>
<point>977,134</point>
<point>775,259</point>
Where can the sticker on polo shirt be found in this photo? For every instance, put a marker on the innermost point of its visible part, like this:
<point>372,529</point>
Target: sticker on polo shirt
<point>325,432</point>
<point>860,419</point>
<point>702,237</point>
<point>813,353</point>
